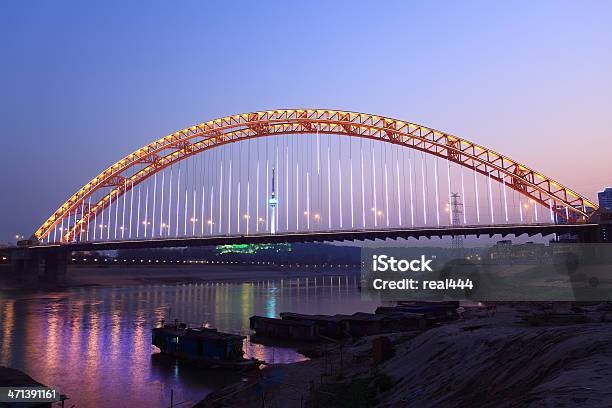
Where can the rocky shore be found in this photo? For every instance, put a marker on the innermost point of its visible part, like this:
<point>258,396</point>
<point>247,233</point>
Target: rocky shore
<point>506,360</point>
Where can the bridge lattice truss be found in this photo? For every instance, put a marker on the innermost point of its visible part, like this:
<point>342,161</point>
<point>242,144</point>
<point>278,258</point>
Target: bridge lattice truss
<point>171,149</point>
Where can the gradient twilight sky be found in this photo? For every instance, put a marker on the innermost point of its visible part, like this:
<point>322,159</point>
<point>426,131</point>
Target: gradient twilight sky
<point>84,84</point>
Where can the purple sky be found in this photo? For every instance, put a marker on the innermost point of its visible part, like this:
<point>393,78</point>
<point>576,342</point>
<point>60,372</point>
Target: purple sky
<point>84,85</point>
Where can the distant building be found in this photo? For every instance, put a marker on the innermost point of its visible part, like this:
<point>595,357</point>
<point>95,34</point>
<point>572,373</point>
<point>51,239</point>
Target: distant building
<point>605,199</point>
<point>605,214</point>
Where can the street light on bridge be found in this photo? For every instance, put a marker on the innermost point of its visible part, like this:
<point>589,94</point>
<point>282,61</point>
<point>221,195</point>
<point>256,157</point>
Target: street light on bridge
<point>376,212</point>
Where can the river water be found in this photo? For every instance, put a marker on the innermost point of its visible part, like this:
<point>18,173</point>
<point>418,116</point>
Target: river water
<point>95,343</point>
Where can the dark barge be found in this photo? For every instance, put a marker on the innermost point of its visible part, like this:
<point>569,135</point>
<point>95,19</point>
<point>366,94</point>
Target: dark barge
<point>204,347</point>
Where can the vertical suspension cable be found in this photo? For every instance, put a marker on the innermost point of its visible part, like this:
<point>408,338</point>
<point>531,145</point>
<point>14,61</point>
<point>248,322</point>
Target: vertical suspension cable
<point>306,169</point>
<point>319,181</point>
<point>95,227</point>
<point>194,182</point>
<point>328,184</point>
<point>220,190</point>
<point>238,179</point>
<point>212,168</point>
<point>257,192</point>
<point>131,203</point>
<point>463,196</point>
<point>437,190</point>
<point>116,211</point>
<point>505,199</point>
<point>193,219</point>
<point>229,196</point>
<point>397,179</point>
<point>450,210</point>
<point>423,188</point>
<point>267,191</point>
<point>205,160</point>
<point>491,199</point>
<point>102,223</point>
<point>154,204</point>
<point>169,202</point>
<point>146,217</point>
<point>318,152</point>
<point>238,205</point>
<point>374,191</point>
<point>123,211</point>
<point>340,207</point>
<point>185,207</point>
<point>67,227</point>
<point>62,231</point>
<point>286,179</point>
<point>476,194</point>
<point>74,238</point>
<point>178,200</point>
<point>363,219</point>
<point>248,197</point>
<point>161,204</point>
<point>386,191</point>
<point>351,181</point>
<point>212,193</point>
<point>308,200</point>
<point>81,219</point>
<point>248,211</point>
<point>88,222</point>
<point>410,185</point>
<point>110,208</point>
<point>297,191</point>
<point>520,209</point>
<point>137,214</point>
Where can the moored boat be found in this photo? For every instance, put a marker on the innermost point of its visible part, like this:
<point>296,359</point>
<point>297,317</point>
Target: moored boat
<point>205,347</point>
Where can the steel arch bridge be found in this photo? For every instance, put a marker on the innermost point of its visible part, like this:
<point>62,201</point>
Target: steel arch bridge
<point>145,162</point>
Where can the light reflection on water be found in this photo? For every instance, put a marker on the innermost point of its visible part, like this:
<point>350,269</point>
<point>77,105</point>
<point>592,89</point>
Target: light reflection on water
<point>95,343</point>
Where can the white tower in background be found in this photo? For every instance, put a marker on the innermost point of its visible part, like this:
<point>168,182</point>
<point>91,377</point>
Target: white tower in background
<point>273,201</point>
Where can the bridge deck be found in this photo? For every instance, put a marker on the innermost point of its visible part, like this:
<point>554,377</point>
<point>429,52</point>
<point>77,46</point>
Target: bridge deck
<point>583,230</point>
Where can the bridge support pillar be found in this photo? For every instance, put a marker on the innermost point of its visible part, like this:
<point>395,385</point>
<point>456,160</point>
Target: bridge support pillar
<point>587,237</point>
<point>56,267</point>
<point>24,267</point>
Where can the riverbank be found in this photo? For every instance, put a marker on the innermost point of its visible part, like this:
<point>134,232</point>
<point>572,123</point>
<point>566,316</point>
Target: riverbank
<point>496,361</point>
<point>129,275</point>
<point>138,275</point>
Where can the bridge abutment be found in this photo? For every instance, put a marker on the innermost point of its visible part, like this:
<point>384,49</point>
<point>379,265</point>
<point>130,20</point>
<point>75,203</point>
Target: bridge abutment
<point>25,266</point>
<point>55,267</point>
<point>28,267</point>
